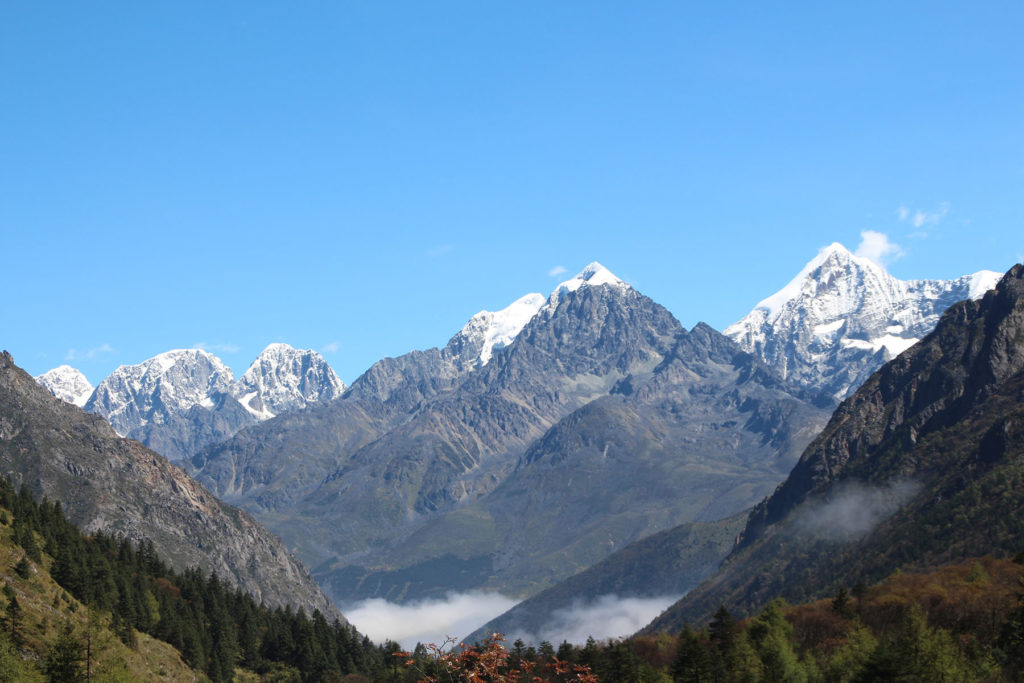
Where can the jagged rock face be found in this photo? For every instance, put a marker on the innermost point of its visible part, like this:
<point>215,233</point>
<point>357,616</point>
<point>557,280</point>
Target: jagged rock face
<point>159,388</point>
<point>844,316</point>
<point>283,379</point>
<point>413,489</point>
<point>921,466</point>
<point>67,384</point>
<point>107,482</point>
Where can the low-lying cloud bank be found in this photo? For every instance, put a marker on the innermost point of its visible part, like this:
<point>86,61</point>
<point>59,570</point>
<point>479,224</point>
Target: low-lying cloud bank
<point>426,621</point>
<point>607,616</point>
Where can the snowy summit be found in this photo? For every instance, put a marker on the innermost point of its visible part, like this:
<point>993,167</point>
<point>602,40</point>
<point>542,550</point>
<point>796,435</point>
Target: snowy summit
<point>283,378</point>
<point>593,275</point>
<point>843,316</point>
<point>67,384</point>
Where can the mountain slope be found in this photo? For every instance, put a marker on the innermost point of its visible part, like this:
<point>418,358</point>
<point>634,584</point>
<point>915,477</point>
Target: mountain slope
<point>843,316</point>
<point>107,482</point>
<point>908,472</point>
<point>667,563</point>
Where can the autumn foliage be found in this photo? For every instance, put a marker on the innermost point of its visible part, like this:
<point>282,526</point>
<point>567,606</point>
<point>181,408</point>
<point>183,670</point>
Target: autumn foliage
<point>490,662</point>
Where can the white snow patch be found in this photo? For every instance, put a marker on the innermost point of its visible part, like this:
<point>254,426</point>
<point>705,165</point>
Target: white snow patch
<point>982,281</point>
<point>500,328</point>
<point>891,343</point>
<point>826,329</point>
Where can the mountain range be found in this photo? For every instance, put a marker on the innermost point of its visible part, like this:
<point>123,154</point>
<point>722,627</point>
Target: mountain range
<point>509,466</point>
<point>541,439</point>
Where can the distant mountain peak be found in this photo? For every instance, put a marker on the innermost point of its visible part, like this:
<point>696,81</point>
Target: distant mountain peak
<point>284,378</point>
<point>488,331</point>
<point>169,383</point>
<point>68,384</point>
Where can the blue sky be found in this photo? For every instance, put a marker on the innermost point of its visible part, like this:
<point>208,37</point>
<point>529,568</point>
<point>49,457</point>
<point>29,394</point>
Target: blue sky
<point>361,178</point>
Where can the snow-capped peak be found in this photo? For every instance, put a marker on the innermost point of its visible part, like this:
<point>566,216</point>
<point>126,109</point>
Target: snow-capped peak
<point>283,378</point>
<point>844,315</point>
<point>167,384</point>
<point>67,384</point>
<point>593,275</point>
<point>834,256</point>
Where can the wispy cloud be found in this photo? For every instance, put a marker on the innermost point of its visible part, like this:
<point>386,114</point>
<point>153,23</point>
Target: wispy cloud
<point>216,348</point>
<point>427,621</point>
<point>557,270</point>
<point>853,510</point>
<point>877,247</point>
<point>91,354</point>
<point>922,219</point>
<point>440,250</point>
<point>331,347</point>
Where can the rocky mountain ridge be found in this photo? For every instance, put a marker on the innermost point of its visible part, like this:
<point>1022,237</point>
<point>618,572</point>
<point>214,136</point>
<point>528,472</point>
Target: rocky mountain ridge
<point>181,400</point>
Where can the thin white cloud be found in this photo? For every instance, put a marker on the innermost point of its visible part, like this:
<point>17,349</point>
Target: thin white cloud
<point>440,250</point>
<point>877,247</point>
<point>331,348</point>
<point>920,218</point>
<point>427,621</point>
<point>216,348</point>
<point>91,354</point>
<point>557,270</point>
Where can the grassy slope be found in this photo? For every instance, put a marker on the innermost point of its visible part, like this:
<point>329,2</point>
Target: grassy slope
<point>46,607</point>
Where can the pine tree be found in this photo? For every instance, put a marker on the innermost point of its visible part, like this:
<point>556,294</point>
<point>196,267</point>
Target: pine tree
<point>13,616</point>
<point>693,663</point>
<point>64,662</point>
<point>23,568</point>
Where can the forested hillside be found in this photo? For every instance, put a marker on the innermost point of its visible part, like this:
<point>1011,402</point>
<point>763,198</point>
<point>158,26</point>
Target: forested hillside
<point>132,595</point>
